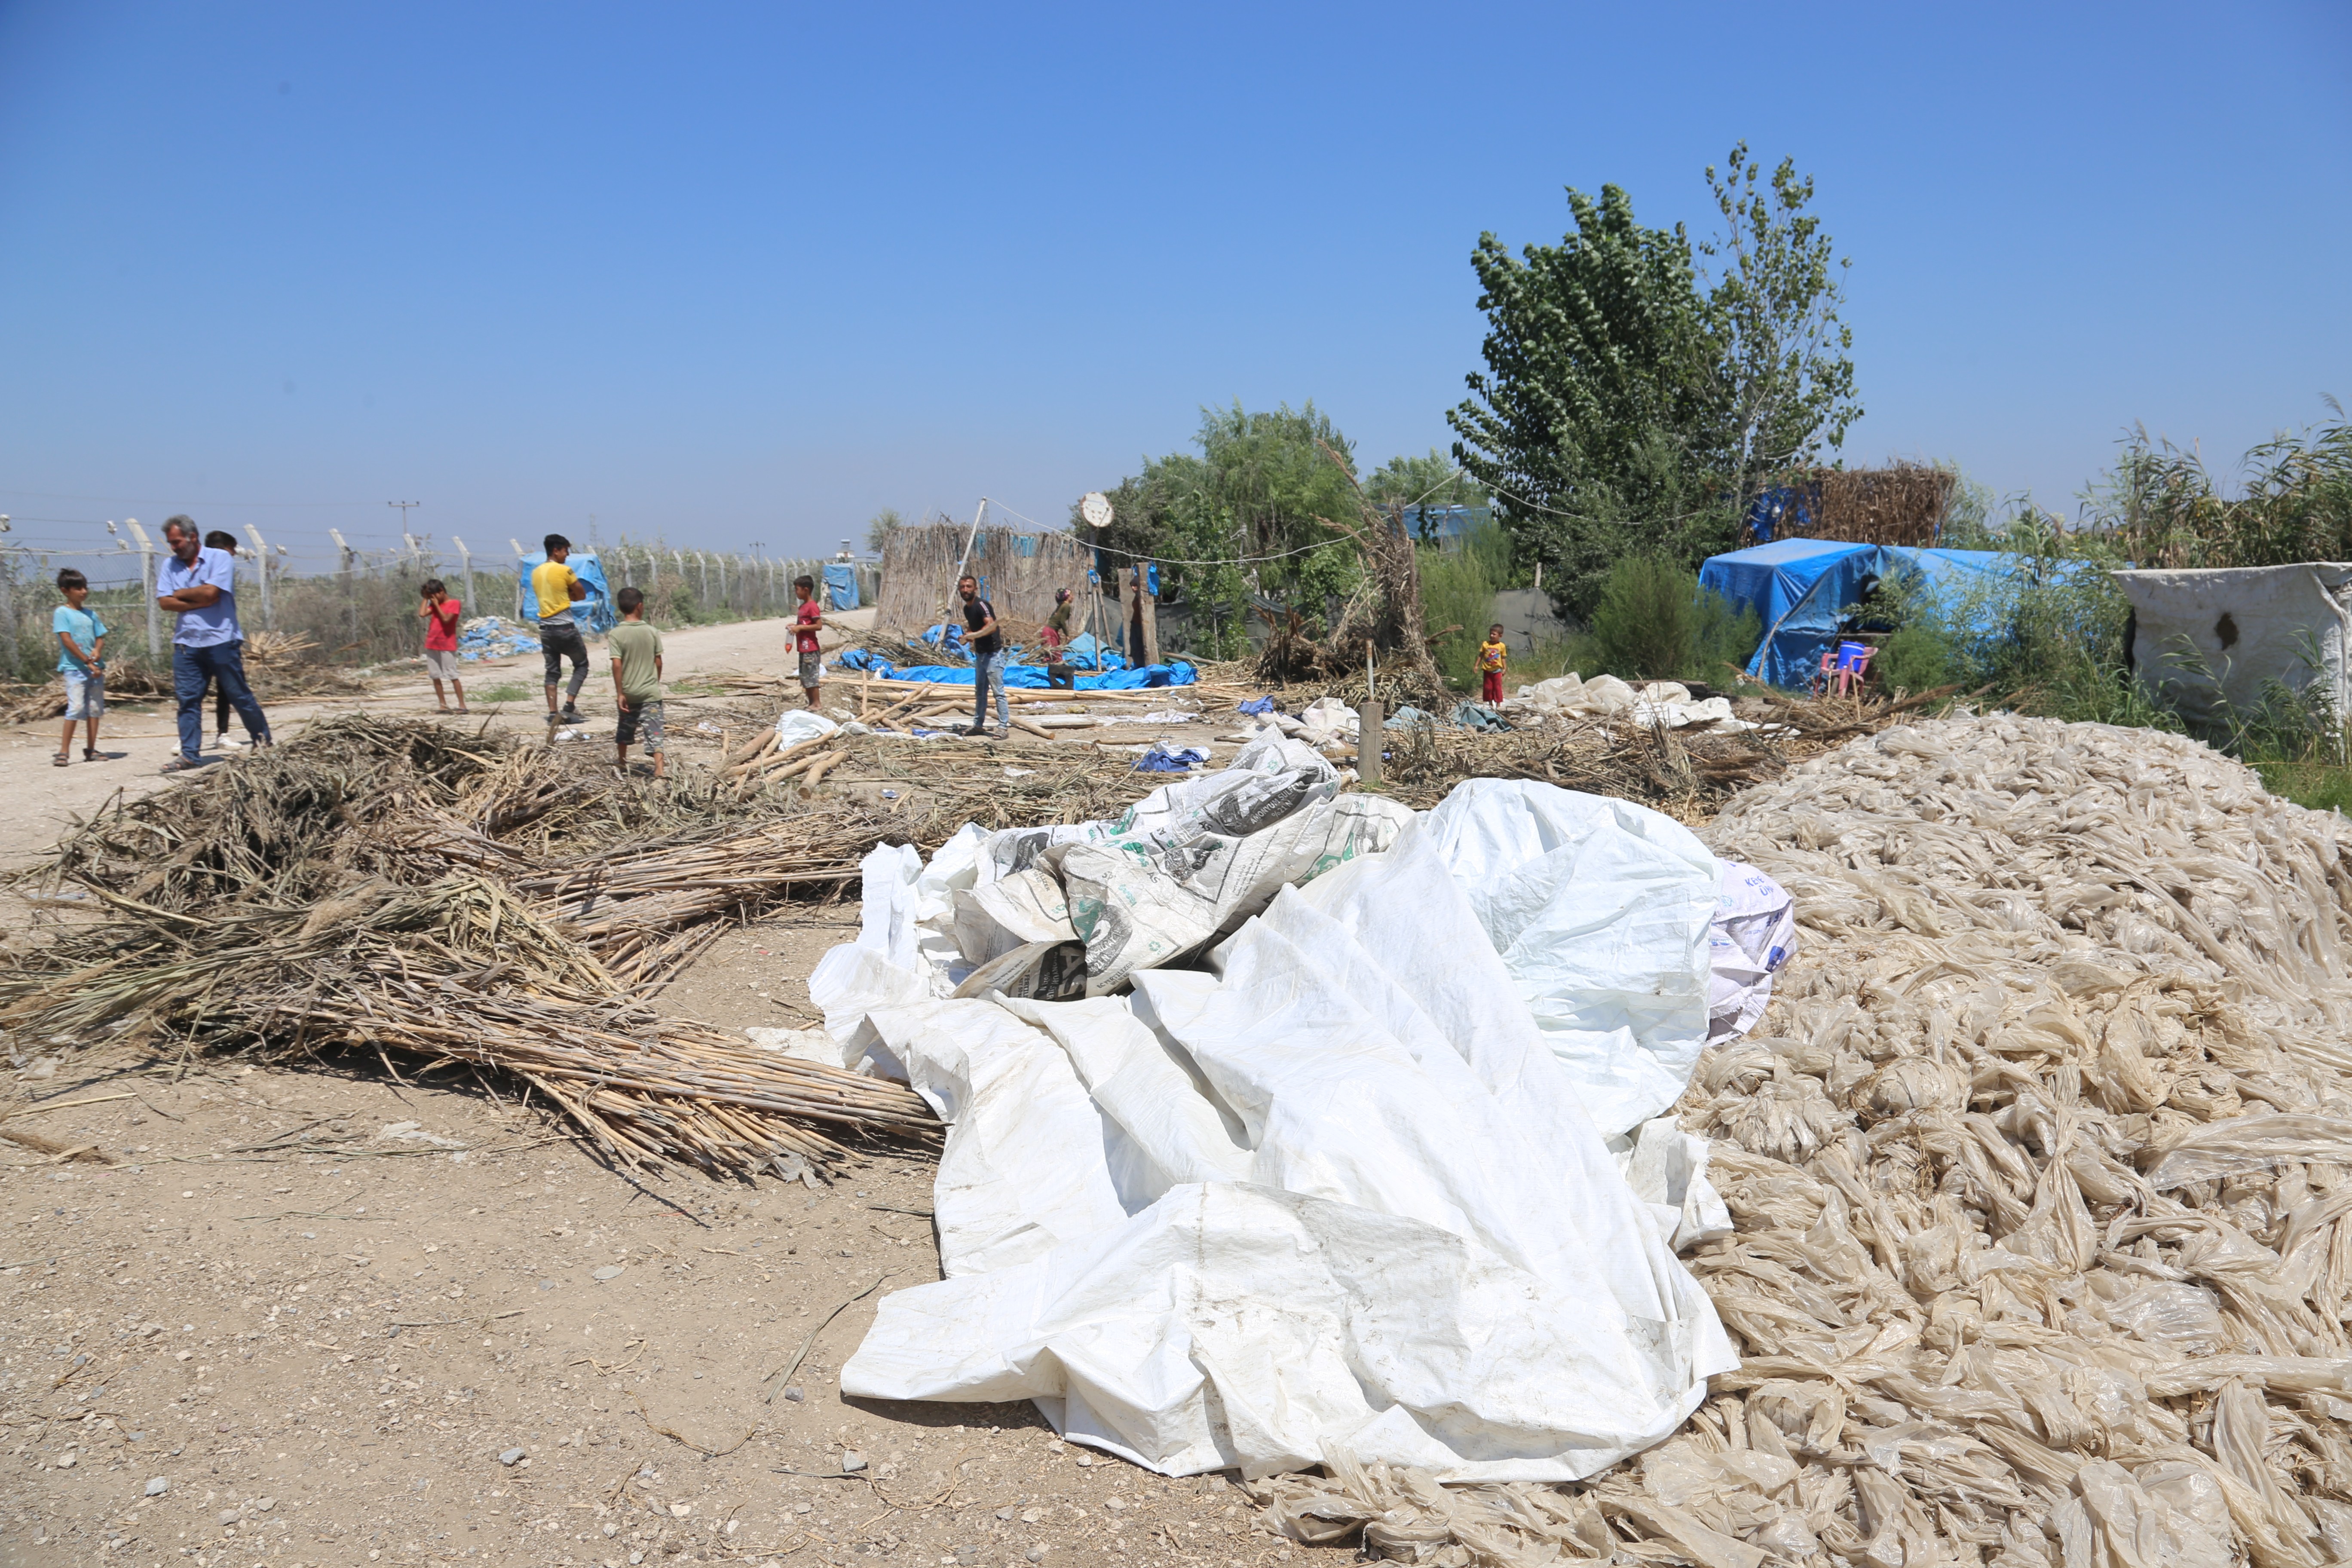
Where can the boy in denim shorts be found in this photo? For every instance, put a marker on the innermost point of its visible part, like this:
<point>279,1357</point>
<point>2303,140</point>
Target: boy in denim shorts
<point>82,663</point>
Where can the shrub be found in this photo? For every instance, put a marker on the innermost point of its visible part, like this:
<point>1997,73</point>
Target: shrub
<point>1653,623</point>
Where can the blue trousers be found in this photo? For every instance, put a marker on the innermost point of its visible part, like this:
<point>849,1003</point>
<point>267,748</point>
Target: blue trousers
<point>987,674</point>
<point>194,670</point>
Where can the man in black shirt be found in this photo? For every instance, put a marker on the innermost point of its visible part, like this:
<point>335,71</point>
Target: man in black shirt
<point>987,658</point>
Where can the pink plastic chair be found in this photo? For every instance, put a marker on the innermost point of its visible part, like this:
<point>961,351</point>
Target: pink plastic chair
<point>1844,665</point>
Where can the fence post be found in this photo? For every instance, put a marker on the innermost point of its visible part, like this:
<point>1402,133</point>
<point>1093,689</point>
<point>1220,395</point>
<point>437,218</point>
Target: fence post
<point>653,569</point>
<point>516,546</point>
<point>261,567</point>
<point>9,610</point>
<point>147,575</point>
<point>350,594</point>
<point>465,571</point>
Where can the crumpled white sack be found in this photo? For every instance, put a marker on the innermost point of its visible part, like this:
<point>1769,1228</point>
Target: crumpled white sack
<point>1601,912</point>
<point>794,725</point>
<point>1754,935</point>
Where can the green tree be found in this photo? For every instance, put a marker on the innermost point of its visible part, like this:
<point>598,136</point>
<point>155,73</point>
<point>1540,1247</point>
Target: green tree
<point>1785,384</point>
<point>1435,480</point>
<point>1628,406</point>
<point>1582,422</point>
<point>1242,517</point>
<point>881,526</point>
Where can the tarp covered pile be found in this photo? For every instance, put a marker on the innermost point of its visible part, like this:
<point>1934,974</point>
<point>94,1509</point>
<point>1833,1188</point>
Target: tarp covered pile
<point>1285,1127</point>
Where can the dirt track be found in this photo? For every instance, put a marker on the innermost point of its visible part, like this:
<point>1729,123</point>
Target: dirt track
<point>320,1306</point>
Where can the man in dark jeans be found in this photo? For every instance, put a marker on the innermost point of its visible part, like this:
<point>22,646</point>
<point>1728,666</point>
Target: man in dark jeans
<point>199,586</point>
<point>987,658</point>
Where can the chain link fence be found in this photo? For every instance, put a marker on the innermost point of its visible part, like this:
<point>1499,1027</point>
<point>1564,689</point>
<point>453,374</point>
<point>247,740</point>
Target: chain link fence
<point>361,609</point>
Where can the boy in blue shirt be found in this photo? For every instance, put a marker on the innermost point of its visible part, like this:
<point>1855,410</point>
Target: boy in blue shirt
<point>82,663</point>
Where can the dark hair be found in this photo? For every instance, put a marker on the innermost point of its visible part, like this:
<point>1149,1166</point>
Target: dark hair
<point>432,585</point>
<point>630,598</point>
<point>808,582</point>
<point>221,538</point>
<point>968,577</point>
<point>553,542</point>
<point>182,521</point>
<point>1495,626</point>
<point>69,578</point>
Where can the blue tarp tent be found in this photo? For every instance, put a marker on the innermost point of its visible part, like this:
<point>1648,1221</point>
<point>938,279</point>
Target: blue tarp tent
<point>596,614</point>
<point>840,585</point>
<point>1800,588</point>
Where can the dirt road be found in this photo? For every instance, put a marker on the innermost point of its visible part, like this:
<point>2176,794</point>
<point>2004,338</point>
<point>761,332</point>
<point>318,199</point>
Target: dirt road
<point>321,1317</point>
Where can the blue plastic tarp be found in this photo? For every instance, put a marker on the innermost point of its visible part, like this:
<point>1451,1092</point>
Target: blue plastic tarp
<point>841,585</point>
<point>1032,676</point>
<point>1802,588</point>
<point>596,614</point>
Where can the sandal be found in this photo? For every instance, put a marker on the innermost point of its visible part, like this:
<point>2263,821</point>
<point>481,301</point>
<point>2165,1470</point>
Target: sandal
<point>92,754</point>
<point>62,759</point>
<point>180,765</point>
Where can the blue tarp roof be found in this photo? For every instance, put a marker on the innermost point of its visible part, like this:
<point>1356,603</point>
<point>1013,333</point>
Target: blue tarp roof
<point>1800,589</point>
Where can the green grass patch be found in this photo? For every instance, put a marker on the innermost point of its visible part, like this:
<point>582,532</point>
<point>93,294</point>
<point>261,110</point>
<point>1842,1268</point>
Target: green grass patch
<point>2322,786</point>
<point>507,691</point>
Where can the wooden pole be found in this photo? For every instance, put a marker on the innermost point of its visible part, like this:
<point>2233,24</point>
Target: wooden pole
<point>1370,733</point>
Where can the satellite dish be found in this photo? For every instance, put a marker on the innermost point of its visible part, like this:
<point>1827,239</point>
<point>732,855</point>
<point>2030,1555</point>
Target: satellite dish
<point>1096,510</point>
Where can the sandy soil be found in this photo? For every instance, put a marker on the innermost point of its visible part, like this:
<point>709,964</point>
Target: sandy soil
<point>306,1316</point>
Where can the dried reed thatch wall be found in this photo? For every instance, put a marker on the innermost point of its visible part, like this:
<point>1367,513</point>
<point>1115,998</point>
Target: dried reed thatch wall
<point>1018,571</point>
<point>1903,504</point>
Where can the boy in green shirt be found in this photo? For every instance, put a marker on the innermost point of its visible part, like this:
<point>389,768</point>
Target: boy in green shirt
<point>636,680</point>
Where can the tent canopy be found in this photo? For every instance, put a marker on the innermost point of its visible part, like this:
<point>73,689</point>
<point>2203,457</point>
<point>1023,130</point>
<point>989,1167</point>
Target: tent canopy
<point>1800,588</point>
<point>840,585</point>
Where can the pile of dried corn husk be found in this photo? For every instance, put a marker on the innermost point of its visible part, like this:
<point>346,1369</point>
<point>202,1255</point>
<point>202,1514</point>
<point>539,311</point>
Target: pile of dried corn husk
<point>2040,1168</point>
<point>406,890</point>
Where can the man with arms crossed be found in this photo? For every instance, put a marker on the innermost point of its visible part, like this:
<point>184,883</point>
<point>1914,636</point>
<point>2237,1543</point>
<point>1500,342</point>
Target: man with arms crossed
<point>199,586</point>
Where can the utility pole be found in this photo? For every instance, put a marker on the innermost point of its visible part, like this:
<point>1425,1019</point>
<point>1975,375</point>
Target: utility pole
<point>147,574</point>
<point>405,506</point>
<point>261,565</point>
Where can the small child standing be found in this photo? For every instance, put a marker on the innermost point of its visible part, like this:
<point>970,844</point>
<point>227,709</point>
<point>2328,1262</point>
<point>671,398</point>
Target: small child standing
<point>1492,656</point>
<point>440,613</point>
<point>81,661</point>
<point>637,650</point>
<point>807,621</point>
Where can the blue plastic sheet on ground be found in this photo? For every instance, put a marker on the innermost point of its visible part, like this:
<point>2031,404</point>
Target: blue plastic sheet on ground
<point>596,614</point>
<point>840,585</point>
<point>1160,760</point>
<point>495,636</point>
<point>1477,716</point>
<point>948,638</point>
<point>1254,705</point>
<point>1032,676</point>
<point>1406,718</point>
<point>1087,653</point>
<point>1800,588</point>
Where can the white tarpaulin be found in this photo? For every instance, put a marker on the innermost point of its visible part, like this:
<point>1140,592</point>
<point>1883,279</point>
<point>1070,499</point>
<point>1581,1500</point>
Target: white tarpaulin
<point>1602,911</point>
<point>1327,1187</point>
<point>2206,641</point>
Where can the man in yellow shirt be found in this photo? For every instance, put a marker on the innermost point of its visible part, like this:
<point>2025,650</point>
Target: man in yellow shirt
<point>555,588</point>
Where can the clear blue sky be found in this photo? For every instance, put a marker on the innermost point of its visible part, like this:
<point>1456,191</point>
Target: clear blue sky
<point>750,272</point>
